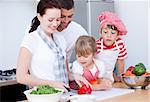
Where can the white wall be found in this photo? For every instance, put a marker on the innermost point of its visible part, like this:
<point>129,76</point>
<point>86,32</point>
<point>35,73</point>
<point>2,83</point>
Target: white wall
<point>134,14</point>
<point>149,34</point>
<point>15,16</point>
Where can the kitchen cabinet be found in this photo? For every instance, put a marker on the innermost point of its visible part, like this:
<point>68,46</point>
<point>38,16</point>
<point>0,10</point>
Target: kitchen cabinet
<point>12,93</point>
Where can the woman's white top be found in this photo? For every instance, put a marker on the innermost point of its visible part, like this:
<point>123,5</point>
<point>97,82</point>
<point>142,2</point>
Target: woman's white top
<point>43,58</point>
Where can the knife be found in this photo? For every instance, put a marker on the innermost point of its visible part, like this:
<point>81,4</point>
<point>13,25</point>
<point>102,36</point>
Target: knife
<point>68,89</point>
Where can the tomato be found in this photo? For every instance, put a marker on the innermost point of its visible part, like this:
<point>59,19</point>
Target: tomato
<point>84,90</point>
<point>128,73</point>
<point>131,68</point>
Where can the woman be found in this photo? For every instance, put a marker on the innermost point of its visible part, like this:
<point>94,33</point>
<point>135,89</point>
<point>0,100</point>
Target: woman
<point>42,53</point>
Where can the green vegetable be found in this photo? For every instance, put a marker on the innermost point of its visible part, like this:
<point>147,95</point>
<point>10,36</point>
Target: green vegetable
<point>141,64</point>
<point>44,89</point>
<point>139,69</point>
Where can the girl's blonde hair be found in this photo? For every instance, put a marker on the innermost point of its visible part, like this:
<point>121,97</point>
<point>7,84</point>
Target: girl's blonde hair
<point>85,45</point>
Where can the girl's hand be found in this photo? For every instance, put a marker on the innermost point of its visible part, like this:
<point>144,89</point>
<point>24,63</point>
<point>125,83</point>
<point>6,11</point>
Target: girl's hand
<point>80,79</point>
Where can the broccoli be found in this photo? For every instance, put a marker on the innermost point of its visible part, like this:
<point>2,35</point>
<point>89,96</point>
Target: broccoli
<point>44,89</point>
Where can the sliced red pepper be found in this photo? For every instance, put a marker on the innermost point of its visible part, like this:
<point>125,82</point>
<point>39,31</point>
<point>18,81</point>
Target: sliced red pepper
<point>93,81</point>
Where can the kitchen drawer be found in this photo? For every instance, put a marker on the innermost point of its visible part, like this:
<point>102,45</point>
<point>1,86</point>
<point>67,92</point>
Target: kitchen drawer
<point>12,93</point>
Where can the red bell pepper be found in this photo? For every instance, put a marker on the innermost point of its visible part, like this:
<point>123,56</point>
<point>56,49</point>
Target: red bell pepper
<point>84,90</point>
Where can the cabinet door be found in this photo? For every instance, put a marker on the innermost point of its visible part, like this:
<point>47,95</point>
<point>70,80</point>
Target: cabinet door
<point>96,7</point>
<point>80,15</point>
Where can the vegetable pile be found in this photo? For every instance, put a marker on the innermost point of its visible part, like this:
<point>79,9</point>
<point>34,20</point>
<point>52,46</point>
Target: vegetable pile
<point>137,70</point>
<point>44,89</point>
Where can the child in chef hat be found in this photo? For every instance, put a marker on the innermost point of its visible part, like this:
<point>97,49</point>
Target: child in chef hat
<point>111,48</point>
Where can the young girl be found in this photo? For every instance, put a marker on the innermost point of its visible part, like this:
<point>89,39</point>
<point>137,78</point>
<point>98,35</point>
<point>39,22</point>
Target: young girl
<point>87,66</point>
<point>111,49</point>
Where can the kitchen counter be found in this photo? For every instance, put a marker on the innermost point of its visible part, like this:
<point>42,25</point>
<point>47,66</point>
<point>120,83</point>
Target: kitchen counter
<point>137,96</point>
<point>7,82</point>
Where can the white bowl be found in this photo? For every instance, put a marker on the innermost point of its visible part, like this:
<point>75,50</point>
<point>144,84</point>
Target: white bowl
<point>44,97</point>
<point>82,98</point>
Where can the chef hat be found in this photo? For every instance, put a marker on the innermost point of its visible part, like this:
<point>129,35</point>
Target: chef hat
<point>112,19</point>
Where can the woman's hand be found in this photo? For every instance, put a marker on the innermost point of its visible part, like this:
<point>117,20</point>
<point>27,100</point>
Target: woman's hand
<point>80,79</point>
<point>60,85</point>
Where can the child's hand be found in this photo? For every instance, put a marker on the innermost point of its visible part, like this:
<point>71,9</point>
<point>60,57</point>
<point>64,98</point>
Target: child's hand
<point>80,79</point>
<point>105,84</point>
<point>116,78</point>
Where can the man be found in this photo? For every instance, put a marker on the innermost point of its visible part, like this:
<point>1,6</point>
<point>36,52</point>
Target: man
<point>70,29</point>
